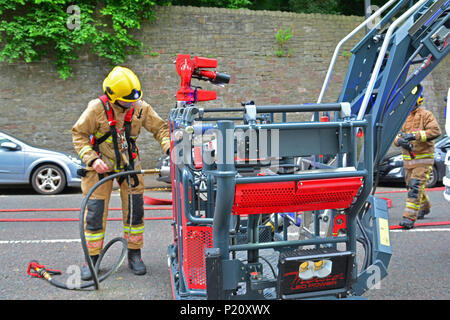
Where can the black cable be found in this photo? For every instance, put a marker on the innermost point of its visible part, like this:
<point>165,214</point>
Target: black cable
<point>270,266</point>
<point>97,265</point>
<point>267,261</point>
<point>94,269</point>
<point>364,244</point>
<point>368,250</point>
<point>386,106</point>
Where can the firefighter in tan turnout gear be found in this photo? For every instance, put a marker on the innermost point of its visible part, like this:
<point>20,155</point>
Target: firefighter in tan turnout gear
<point>105,139</point>
<point>416,140</point>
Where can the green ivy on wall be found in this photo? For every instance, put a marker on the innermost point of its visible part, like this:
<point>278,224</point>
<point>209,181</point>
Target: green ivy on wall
<point>32,29</point>
<point>60,29</point>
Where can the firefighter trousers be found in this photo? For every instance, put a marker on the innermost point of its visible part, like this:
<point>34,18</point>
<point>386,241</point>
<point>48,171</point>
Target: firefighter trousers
<point>96,213</point>
<point>417,200</point>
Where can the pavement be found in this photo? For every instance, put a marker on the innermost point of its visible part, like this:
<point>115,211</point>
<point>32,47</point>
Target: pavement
<point>418,269</point>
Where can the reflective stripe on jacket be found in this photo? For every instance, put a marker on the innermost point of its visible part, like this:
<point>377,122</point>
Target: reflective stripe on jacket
<point>93,121</point>
<point>424,125</point>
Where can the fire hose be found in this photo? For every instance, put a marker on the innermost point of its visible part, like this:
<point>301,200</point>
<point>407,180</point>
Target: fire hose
<point>37,270</point>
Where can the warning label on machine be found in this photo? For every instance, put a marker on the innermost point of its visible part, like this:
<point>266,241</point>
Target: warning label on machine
<point>384,231</point>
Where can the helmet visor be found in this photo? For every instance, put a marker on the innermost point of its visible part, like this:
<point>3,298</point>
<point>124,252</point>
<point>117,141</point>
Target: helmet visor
<point>123,104</point>
<point>135,95</point>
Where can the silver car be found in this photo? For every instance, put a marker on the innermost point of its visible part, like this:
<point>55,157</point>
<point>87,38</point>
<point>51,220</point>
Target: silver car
<point>48,172</point>
<point>446,179</point>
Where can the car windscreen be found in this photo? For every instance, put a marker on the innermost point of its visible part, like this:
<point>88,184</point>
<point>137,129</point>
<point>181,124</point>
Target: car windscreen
<point>8,137</point>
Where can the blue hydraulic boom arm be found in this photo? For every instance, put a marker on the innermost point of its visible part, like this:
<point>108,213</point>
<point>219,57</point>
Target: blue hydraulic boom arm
<point>389,63</point>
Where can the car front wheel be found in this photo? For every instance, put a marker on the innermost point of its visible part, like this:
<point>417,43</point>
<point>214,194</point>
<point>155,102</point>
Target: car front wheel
<point>433,180</point>
<point>48,179</point>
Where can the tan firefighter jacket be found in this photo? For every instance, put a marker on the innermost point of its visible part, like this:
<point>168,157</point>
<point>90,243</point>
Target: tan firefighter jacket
<point>94,121</point>
<point>424,125</point>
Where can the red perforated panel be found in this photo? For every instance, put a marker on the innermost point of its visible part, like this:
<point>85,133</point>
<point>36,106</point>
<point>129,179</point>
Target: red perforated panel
<point>271,197</point>
<point>196,240</point>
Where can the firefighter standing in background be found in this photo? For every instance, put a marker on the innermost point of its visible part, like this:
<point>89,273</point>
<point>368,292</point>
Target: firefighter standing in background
<point>105,139</point>
<point>416,140</point>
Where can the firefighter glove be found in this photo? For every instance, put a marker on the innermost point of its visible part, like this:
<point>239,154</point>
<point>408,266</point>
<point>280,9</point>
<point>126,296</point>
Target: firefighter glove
<point>409,136</point>
<point>405,144</point>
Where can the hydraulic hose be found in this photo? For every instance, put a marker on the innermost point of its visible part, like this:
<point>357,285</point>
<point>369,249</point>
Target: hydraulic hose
<point>365,241</point>
<point>47,274</point>
<point>94,269</point>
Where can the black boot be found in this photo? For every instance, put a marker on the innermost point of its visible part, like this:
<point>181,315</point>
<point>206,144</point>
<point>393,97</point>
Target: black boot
<point>135,262</point>
<point>85,271</point>
<point>423,213</point>
<point>407,223</point>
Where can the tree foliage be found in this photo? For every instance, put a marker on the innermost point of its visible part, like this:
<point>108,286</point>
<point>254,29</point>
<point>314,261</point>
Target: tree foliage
<point>231,4</point>
<point>305,6</point>
<point>31,29</point>
<point>344,7</point>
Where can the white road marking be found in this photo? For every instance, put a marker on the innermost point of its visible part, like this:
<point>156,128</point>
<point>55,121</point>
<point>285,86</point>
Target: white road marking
<point>290,234</point>
<point>421,230</point>
<point>39,241</point>
<point>295,234</point>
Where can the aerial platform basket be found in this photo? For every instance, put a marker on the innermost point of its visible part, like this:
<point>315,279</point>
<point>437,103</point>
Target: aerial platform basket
<point>218,192</point>
<point>210,197</point>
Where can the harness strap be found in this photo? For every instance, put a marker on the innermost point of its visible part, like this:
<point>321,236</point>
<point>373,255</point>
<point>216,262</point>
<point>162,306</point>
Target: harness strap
<point>112,127</point>
<point>113,132</point>
<point>97,141</point>
<point>131,153</point>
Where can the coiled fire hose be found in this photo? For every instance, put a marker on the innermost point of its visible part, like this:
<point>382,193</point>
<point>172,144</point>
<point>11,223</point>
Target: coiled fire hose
<point>37,270</point>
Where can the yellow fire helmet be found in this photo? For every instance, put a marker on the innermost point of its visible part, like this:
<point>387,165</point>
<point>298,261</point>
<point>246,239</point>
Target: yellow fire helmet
<point>122,84</point>
<point>420,101</point>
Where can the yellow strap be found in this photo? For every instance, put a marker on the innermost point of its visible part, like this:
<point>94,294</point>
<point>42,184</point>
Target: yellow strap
<point>419,156</point>
<point>165,140</point>
<point>98,135</point>
<point>94,236</point>
<point>134,230</point>
<point>425,155</point>
<point>412,205</point>
<point>423,136</point>
<point>114,165</point>
<point>84,150</point>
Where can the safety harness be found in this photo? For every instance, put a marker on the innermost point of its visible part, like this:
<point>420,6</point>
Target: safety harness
<point>115,133</point>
